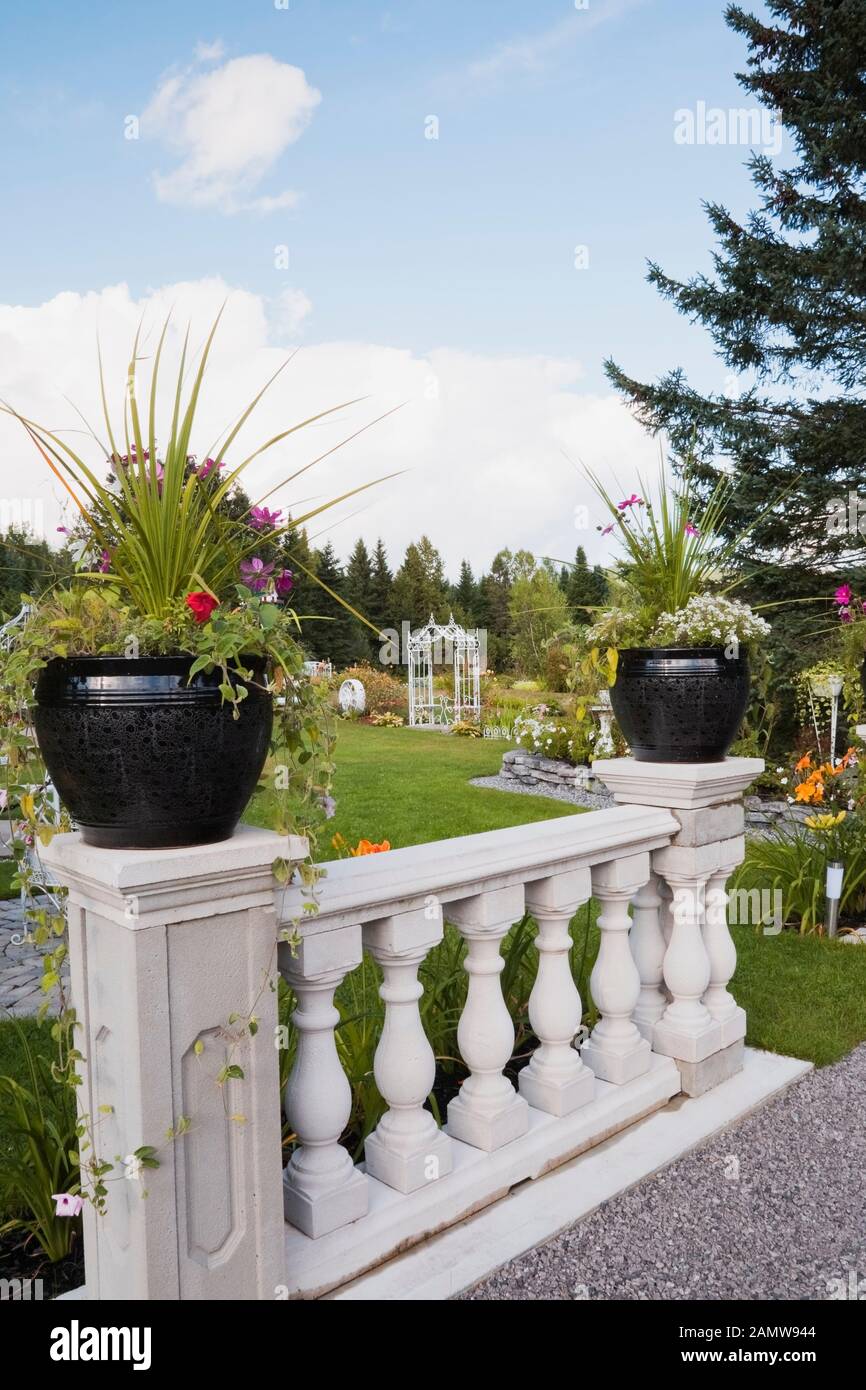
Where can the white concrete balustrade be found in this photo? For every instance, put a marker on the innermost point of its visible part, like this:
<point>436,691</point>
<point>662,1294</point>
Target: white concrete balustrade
<point>656,865</point>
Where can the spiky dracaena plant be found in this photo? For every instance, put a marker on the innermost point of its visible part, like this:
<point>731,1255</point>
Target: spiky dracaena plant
<point>163,533</point>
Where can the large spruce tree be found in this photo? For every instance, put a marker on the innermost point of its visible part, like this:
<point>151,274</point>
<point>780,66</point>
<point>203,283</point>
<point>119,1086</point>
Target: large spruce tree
<point>419,587</point>
<point>381,583</point>
<point>28,565</point>
<point>786,304</point>
<point>332,634</point>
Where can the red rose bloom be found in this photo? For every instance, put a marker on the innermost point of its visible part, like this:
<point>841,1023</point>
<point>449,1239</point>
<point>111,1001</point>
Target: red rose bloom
<point>201,605</point>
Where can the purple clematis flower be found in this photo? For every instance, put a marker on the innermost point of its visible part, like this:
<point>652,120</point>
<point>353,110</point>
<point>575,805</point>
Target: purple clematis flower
<point>255,574</point>
<point>261,519</point>
<point>104,562</point>
<point>285,582</point>
<point>329,806</point>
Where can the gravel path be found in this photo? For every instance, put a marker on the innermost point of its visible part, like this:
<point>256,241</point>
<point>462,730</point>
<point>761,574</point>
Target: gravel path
<point>772,1208</point>
<point>593,801</point>
<point>20,964</point>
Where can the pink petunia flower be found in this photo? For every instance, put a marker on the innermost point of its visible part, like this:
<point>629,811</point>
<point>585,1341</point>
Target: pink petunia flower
<point>285,582</point>
<point>205,470</point>
<point>607,530</point>
<point>262,519</point>
<point>690,529</point>
<point>843,595</point>
<point>66,1204</point>
<point>255,574</point>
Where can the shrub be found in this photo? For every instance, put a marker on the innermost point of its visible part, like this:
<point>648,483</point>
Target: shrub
<point>570,742</point>
<point>388,720</point>
<point>384,693</point>
<point>500,713</point>
<point>794,862</point>
<point>466,728</point>
<point>38,1154</point>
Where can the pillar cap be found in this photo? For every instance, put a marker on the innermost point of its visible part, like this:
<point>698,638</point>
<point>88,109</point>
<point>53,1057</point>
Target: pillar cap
<point>149,886</point>
<point>677,786</point>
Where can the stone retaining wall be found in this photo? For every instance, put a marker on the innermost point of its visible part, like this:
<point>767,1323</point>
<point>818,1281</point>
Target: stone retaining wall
<point>765,815</point>
<point>526,767</point>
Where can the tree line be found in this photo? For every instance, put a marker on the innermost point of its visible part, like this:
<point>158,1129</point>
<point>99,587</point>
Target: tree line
<point>522,603</point>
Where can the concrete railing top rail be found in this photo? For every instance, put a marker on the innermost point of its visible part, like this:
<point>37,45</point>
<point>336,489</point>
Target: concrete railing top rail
<point>381,885</point>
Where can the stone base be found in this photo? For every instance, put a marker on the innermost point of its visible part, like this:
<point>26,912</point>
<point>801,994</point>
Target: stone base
<point>734,1028</point>
<point>488,1132</point>
<point>645,1026</point>
<point>556,1099</point>
<point>317,1216</point>
<point>686,1047</point>
<point>700,1077</point>
<point>408,1172</point>
<point>617,1068</point>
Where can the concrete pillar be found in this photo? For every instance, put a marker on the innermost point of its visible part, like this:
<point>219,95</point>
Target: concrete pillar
<point>701,1027</point>
<point>165,946</point>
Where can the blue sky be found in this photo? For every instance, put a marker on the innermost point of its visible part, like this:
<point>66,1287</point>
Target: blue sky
<point>466,240</point>
<point>555,130</point>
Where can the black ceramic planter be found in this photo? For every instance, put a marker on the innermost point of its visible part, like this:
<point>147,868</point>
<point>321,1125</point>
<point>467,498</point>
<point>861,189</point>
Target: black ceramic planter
<point>143,760</point>
<point>680,704</point>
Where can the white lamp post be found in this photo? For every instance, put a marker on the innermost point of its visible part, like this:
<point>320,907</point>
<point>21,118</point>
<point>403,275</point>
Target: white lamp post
<point>835,875</point>
<point>834,684</point>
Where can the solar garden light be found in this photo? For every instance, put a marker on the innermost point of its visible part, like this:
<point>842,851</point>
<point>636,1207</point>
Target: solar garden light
<point>835,875</point>
<point>834,685</point>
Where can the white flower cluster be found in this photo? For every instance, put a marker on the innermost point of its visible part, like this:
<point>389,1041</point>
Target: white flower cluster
<point>536,735</point>
<point>709,620</point>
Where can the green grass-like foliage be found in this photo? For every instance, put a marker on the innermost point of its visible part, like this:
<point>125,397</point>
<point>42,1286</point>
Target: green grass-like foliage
<point>794,863</point>
<point>164,533</point>
<point>38,1141</point>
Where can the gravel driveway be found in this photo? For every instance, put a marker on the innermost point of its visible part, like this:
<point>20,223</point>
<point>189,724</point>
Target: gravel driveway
<point>772,1208</point>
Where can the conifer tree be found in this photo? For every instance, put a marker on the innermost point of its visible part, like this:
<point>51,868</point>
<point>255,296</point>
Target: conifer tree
<point>786,304</point>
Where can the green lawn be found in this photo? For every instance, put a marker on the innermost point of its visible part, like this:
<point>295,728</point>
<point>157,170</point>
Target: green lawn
<point>409,787</point>
<point>803,995</point>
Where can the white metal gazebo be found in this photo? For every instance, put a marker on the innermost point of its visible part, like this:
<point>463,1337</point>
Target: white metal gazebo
<point>438,645</point>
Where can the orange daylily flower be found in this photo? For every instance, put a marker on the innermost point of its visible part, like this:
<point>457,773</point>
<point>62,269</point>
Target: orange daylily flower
<point>367,847</point>
<point>809,791</point>
<point>805,761</point>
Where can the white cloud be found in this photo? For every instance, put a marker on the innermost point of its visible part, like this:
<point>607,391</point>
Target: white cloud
<point>534,53</point>
<point>228,127</point>
<point>209,52</point>
<point>288,312</point>
<point>482,437</point>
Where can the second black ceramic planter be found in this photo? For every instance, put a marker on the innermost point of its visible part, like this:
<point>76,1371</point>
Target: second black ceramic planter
<point>680,704</point>
<point>143,759</point>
